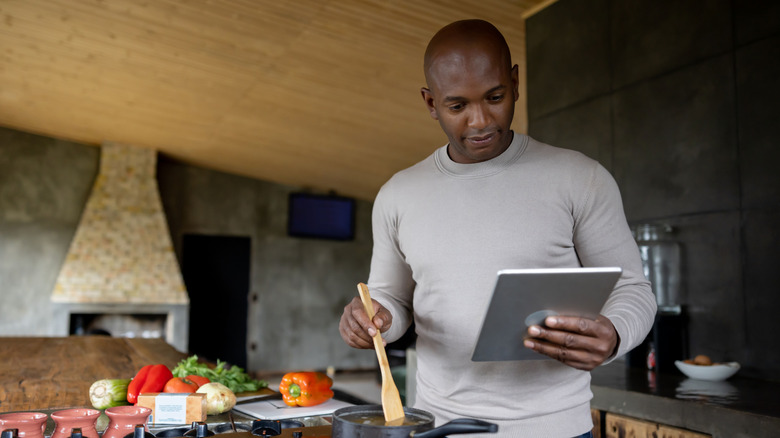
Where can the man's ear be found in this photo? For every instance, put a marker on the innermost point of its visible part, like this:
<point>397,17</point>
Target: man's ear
<point>515,82</point>
<point>429,102</point>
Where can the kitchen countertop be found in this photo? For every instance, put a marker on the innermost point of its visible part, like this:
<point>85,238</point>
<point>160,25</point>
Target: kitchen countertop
<point>737,407</point>
<point>55,373</point>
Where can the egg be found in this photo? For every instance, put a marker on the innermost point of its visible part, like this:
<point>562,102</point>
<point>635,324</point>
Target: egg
<point>702,359</point>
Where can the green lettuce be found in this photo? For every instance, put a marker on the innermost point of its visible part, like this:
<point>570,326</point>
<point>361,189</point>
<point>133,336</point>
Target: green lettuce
<point>233,377</point>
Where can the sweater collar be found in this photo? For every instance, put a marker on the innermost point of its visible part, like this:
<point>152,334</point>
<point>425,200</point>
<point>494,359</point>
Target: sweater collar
<point>484,168</point>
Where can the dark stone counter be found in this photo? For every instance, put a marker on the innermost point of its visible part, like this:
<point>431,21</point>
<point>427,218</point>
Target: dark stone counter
<point>737,407</point>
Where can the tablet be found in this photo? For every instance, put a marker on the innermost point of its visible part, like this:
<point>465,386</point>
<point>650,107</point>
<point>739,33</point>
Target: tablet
<point>524,297</point>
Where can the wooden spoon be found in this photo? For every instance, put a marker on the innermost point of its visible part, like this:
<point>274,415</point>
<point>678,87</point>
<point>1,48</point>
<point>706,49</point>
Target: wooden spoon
<point>391,399</point>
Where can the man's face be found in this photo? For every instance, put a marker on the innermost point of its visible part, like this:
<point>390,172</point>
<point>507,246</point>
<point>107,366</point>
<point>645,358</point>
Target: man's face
<point>472,95</point>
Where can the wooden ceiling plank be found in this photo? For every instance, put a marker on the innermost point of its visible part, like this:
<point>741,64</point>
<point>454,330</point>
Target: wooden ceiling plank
<point>279,90</point>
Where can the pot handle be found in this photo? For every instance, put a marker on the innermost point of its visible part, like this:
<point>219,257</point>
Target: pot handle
<point>459,425</point>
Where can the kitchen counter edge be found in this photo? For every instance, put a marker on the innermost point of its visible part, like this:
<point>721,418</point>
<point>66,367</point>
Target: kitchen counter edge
<point>752,412</point>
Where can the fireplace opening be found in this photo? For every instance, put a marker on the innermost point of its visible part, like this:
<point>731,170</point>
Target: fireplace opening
<point>118,325</point>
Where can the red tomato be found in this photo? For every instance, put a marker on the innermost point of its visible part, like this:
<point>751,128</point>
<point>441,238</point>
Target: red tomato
<point>199,380</point>
<point>180,385</point>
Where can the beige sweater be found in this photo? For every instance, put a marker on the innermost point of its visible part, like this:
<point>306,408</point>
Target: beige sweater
<point>442,230</point>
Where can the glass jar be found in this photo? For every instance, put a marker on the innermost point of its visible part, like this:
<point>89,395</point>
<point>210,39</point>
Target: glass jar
<point>661,260</point>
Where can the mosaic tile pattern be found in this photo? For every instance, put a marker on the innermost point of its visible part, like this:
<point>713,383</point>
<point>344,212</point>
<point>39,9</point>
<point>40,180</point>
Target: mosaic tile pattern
<point>122,250</point>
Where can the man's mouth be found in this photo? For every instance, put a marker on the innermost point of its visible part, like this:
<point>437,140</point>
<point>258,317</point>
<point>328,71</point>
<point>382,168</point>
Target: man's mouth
<point>482,140</point>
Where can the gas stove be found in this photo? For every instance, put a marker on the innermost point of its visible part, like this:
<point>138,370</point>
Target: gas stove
<point>298,432</point>
<point>309,427</point>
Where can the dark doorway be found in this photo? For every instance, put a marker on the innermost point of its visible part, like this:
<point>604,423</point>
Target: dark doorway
<point>216,272</point>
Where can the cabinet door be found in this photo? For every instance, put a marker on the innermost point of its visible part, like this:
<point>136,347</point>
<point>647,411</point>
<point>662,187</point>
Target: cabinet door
<point>595,414</point>
<point>618,426</point>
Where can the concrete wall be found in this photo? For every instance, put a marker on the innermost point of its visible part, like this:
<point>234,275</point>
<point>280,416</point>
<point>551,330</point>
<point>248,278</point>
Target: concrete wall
<point>301,285</point>
<point>678,100</point>
<point>298,286</point>
<point>44,184</point>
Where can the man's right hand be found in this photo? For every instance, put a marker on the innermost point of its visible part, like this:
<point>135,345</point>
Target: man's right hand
<point>355,327</point>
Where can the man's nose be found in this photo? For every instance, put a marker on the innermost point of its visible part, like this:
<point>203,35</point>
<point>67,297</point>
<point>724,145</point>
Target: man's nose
<point>479,117</point>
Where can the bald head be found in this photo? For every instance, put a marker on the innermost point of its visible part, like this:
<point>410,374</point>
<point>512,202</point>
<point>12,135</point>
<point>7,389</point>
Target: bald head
<point>471,90</point>
<point>460,41</point>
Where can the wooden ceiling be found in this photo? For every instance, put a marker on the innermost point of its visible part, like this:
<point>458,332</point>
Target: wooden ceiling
<point>318,94</point>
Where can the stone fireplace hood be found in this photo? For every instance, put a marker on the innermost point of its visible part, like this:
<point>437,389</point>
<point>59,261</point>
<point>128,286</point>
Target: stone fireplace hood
<point>121,259</point>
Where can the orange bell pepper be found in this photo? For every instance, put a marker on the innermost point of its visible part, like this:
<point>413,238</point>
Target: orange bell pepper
<point>306,388</point>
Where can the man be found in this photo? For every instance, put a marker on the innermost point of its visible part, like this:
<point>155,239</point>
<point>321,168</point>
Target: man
<point>493,199</point>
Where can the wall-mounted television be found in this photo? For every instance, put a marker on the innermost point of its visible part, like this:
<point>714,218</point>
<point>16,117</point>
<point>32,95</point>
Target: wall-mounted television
<point>321,216</point>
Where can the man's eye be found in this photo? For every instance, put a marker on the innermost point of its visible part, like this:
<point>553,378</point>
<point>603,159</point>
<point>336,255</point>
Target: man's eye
<point>456,107</point>
<point>497,98</point>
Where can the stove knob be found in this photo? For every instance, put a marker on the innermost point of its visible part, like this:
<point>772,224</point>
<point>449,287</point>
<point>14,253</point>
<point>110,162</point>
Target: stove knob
<point>139,431</point>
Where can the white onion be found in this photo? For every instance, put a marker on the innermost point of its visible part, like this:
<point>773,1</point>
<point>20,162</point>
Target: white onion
<point>219,398</point>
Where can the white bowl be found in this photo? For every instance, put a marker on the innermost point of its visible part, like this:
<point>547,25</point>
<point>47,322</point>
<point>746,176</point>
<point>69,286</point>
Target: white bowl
<point>716,372</point>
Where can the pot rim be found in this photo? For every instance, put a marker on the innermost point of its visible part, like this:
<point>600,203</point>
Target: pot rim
<point>26,417</point>
<point>428,417</point>
<point>79,413</point>
<point>128,411</point>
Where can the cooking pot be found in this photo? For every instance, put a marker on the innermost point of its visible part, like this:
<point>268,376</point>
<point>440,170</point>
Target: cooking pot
<point>348,423</point>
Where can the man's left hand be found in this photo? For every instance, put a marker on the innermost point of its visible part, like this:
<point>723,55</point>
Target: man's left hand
<point>578,342</point>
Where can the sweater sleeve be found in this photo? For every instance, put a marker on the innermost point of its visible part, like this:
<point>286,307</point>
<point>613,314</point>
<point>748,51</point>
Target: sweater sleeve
<point>390,281</point>
<point>602,238</point>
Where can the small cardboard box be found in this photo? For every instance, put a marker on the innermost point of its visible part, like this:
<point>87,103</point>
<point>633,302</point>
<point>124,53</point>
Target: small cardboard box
<point>174,408</point>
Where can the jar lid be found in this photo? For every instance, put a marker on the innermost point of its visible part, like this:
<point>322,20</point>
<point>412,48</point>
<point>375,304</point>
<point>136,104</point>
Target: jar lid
<point>652,231</point>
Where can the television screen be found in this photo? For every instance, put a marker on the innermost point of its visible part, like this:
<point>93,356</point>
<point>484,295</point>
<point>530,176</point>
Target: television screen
<point>320,216</point>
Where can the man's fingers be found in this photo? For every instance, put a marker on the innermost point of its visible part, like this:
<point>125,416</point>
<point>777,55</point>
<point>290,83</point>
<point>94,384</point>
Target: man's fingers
<point>557,344</point>
<point>353,325</point>
<point>578,342</point>
<point>570,356</point>
<point>582,326</point>
<point>357,329</point>
<point>383,319</point>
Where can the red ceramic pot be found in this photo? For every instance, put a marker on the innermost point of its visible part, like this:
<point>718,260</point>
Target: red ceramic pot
<point>28,424</point>
<point>66,420</point>
<point>123,419</point>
